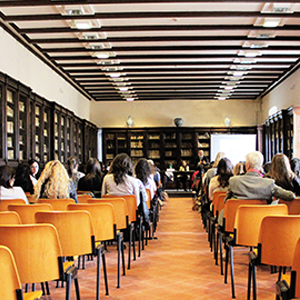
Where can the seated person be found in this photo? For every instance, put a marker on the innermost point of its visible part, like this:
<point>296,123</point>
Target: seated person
<point>72,168</point>
<point>54,183</point>
<point>24,179</point>
<point>182,178</point>
<point>7,188</point>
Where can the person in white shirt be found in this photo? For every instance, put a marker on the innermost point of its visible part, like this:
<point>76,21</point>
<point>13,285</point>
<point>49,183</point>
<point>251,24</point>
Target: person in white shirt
<point>7,190</point>
<point>119,181</point>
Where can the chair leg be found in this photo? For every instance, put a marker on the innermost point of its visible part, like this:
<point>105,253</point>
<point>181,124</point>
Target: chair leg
<point>140,236</point>
<point>249,281</point>
<point>77,288</point>
<point>216,246</point>
<point>43,288</point>
<point>254,282</point>
<point>99,253</point>
<point>119,259</point>
<point>129,247</point>
<point>123,257</point>
<point>47,288</point>
<point>105,273</point>
<point>232,271</point>
<point>133,241</point>
<point>221,252</point>
<point>226,263</point>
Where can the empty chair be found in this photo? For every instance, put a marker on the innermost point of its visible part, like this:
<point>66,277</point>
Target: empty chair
<point>27,212</point>
<point>58,204</point>
<point>10,284</point>
<point>293,206</point>
<point>246,229</point>
<point>9,217</point>
<point>76,234</point>
<point>4,203</point>
<point>37,254</point>
<point>277,240</point>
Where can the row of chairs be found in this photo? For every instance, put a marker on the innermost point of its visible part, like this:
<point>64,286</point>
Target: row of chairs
<point>103,227</point>
<point>270,231</point>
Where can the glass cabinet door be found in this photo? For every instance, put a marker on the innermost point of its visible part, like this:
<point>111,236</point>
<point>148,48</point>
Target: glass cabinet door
<point>23,128</point>
<point>10,124</point>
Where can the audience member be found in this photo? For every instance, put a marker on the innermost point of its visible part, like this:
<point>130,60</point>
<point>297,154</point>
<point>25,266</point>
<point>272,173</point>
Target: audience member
<point>183,177</point>
<point>34,170</point>
<point>72,168</point>
<point>23,178</point>
<point>267,169</point>
<point>239,169</point>
<point>119,181</point>
<point>92,181</point>
<point>7,188</point>
<point>54,183</point>
<point>253,186</point>
<point>295,166</point>
<point>282,174</point>
<point>221,181</point>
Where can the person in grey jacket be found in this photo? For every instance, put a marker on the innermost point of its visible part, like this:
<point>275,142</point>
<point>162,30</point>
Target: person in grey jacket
<point>253,186</point>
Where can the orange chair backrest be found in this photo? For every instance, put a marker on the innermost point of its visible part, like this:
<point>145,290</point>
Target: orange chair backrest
<point>120,209</point>
<point>218,201</point>
<point>248,220</point>
<point>278,238</point>
<point>296,268</point>
<point>74,228</point>
<point>31,198</point>
<point>9,277</point>
<point>58,204</point>
<point>230,210</point>
<point>149,198</point>
<point>27,212</point>
<point>4,203</point>
<point>36,249</point>
<point>83,198</point>
<point>293,206</point>
<point>9,217</point>
<point>103,219</point>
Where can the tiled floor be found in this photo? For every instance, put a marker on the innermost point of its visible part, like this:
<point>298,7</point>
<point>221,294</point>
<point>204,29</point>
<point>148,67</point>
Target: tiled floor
<point>178,265</point>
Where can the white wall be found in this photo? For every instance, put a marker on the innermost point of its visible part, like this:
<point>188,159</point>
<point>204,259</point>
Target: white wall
<point>283,96</point>
<point>161,113</point>
<point>20,64</point>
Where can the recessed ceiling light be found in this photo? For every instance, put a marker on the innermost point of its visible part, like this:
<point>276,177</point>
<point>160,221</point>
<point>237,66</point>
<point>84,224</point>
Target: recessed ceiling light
<point>83,24</point>
<point>270,23</point>
<point>130,99</point>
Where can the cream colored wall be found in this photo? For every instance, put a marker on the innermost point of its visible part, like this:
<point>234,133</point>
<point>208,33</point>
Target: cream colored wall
<point>20,64</point>
<point>285,95</point>
<point>161,113</point>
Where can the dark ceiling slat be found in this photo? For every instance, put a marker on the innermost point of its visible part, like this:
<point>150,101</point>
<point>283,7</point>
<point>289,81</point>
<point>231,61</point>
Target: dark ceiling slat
<point>172,48</point>
<point>152,15</point>
<point>168,39</point>
<point>177,28</point>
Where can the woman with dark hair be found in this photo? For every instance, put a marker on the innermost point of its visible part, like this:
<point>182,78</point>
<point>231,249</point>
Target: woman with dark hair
<point>72,168</point>
<point>283,175</point>
<point>295,166</point>
<point>221,181</point>
<point>7,188</point>
<point>34,170</point>
<point>119,181</point>
<point>92,181</point>
<point>23,178</point>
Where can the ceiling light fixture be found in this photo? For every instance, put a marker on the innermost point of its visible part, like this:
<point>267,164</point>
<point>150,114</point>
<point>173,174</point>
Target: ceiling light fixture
<point>271,23</point>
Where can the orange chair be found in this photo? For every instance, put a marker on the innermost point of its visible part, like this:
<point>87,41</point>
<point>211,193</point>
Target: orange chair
<point>289,286</point>
<point>4,203</point>
<point>31,198</point>
<point>121,215</point>
<point>10,284</point>
<point>293,206</point>
<point>76,234</point>
<point>246,230</point>
<point>149,198</point>
<point>104,224</point>
<point>9,217</point>
<point>58,204</point>
<point>83,198</point>
<point>277,240</point>
<point>37,254</point>
<point>27,212</point>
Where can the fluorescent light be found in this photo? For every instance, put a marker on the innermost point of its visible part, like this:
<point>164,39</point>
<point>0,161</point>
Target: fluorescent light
<point>222,98</point>
<point>115,75</point>
<point>102,55</point>
<point>123,89</point>
<point>270,23</point>
<point>83,24</point>
<point>130,99</point>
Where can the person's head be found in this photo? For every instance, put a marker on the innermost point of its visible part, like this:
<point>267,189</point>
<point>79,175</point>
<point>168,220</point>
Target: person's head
<point>200,153</point>
<point>23,172</point>
<point>239,169</point>
<point>254,160</point>
<point>224,171</point>
<point>218,157</point>
<point>54,181</point>
<point>7,176</point>
<point>72,165</point>
<point>280,166</point>
<point>34,167</point>
<point>152,166</point>
<point>120,166</point>
<point>93,167</point>
<point>295,166</point>
<point>183,163</point>
<point>142,170</point>
<point>267,167</point>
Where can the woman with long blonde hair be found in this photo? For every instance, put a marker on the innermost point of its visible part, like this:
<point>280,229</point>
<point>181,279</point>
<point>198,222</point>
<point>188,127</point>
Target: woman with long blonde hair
<point>283,175</point>
<point>54,183</point>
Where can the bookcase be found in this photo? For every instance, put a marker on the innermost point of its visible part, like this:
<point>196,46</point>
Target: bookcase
<point>33,127</point>
<point>166,146</point>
